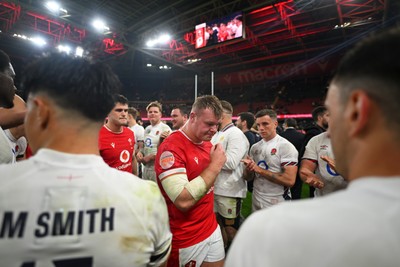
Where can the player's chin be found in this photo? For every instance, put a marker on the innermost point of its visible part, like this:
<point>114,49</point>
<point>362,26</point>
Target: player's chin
<point>207,137</point>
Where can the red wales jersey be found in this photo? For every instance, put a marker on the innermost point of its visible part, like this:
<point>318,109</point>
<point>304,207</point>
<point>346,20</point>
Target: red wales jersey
<point>117,149</point>
<point>179,155</point>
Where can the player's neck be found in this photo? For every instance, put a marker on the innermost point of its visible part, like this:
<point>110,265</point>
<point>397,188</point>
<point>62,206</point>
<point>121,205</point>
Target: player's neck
<point>189,134</point>
<point>113,127</point>
<point>225,123</point>
<point>74,140</point>
<point>269,138</point>
<point>155,123</point>
<point>371,158</point>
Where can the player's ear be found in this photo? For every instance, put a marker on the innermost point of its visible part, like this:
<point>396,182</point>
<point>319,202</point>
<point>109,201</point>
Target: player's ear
<point>43,113</point>
<point>358,112</point>
<point>192,115</point>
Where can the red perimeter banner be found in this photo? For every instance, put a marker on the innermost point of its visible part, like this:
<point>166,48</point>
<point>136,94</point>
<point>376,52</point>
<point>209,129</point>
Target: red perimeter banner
<point>277,72</point>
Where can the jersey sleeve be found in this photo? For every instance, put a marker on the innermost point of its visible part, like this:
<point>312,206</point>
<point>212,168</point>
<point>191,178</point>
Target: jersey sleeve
<point>289,154</point>
<point>170,162</point>
<point>165,127</point>
<point>235,150</point>
<point>140,134</point>
<point>311,151</point>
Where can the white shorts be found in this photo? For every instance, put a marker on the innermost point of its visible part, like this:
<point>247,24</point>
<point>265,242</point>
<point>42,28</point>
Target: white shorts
<point>265,202</point>
<point>227,207</point>
<point>149,173</point>
<point>209,250</point>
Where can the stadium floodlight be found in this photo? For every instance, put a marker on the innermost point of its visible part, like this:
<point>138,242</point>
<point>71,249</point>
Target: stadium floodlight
<point>79,51</point>
<point>149,65</point>
<point>150,43</point>
<point>39,41</point>
<point>64,49</point>
<point>56,8</point>
<point>165,38</point>
<point>100,25</point>
<point>162,39</point>
<point>53,6</point>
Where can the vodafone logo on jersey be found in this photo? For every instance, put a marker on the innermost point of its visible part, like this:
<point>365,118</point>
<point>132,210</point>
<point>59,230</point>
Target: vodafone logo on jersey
<point>167,159</point>
<point>124,156</point>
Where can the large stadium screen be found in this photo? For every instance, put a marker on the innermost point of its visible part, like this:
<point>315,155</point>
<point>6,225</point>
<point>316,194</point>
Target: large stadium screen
<point>220,30</point>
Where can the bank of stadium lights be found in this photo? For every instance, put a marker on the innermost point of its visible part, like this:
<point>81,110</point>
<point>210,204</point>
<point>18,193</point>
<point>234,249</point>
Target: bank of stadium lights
<point>344,25</point>
<point>165,67</point>
<point>193,60</point>
<point>353,23</point>
<point>56,8</point>
<point>162,39</point>
<point>67,50</point>
<point>36,40</point>
<point>100,25</point>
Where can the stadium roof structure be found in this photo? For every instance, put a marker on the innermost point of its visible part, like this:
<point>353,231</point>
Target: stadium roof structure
<point>282,37</point>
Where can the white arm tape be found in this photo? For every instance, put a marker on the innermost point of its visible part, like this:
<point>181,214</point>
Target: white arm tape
<point>174,185</point>
<point>197,187</point>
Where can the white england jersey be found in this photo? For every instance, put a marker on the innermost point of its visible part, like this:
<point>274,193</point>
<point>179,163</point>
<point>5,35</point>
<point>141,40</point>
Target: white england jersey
<point>354,227</point>
<point>6,153</point>
<point>152,138</point>
<point>272,155</point>
<point>138,130</point>
<point>61,209</point>
<point>320,145</point>
<point>230,182</point>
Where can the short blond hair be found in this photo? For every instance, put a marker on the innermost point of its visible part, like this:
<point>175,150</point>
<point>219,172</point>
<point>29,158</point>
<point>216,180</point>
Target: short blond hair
<point>154,104</point>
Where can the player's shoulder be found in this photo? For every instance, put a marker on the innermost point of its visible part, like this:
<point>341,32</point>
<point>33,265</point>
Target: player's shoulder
<point>11,171</point>
<point>283,142</point>
<point>128,129</point>
<point>235,130</point>
<point>164,127</point>
<point>132,184</point>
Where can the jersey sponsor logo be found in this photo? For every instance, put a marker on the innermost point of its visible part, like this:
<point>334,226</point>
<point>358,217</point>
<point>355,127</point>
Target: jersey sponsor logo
<point>273,151</point>
<point>147,142</point>
<point>167,159</point>
<point>58,223</point>
<point>330,171</point>
<point>123,166</point>
<point>323,147</point>
<point>262,164</point>
<point>124,156</point>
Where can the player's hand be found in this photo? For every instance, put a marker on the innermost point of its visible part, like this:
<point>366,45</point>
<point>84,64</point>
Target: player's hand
<point>139,157</point>
<point>165,134</point>
<point>217,155</point>
<point>249,163</point>
<point>330,161</point>
<point>315,182</point>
